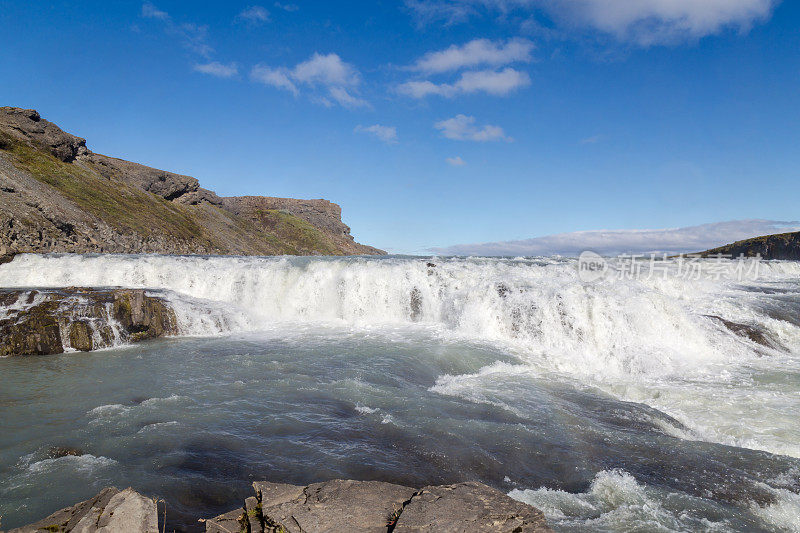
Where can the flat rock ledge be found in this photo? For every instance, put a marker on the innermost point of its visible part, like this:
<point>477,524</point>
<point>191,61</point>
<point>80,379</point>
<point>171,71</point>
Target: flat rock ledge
<point>330,507</point>
<point>52,321</point>
<point>375,506</point>
<point>111,511</point>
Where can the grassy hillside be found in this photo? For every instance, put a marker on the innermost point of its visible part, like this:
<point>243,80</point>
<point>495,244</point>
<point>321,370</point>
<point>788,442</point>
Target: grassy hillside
<point>129,209</point>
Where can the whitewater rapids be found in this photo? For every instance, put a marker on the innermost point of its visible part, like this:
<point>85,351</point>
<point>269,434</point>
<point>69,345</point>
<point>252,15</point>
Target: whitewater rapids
<point>719,357</point>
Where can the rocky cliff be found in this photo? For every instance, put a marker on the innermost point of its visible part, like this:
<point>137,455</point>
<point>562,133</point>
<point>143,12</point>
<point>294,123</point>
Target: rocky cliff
<point>56,195</point>
<point>781,246</point>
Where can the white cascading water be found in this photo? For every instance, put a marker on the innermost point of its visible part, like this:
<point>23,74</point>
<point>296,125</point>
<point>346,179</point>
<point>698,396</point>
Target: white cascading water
<point>654,341</point>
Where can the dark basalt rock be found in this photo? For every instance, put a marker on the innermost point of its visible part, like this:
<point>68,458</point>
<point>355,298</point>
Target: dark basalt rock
<point>63,451</point>
<point>744,330</point>
<point>77,318</point>
<point>34,331</point>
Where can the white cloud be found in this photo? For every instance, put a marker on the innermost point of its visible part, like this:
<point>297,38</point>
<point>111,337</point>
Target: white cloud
<point>254,15</point>
<point>463,128</point>
<point>613,242</point>
<point>287,7</point>
<point>279,78</point>
<point>497,83</point>
<point>220,70</point>
<point>387,134</point>
<point>474,53</point>
<point>322,72</point>
<point>645,22</point>
<point>326,69</point>
<point>455,161</point>
<point>594,139</point>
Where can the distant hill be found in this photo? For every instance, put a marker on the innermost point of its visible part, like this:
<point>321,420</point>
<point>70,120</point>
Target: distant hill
<point>780,246</point>
<point>56,195</point>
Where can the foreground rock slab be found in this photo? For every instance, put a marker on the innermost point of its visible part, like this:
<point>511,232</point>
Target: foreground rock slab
<point>472,507</point>
<point>373,506</point>
<point>111,511</point>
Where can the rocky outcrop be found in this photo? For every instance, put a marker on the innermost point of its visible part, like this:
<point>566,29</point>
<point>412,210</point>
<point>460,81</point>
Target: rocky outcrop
<point>785,246</point>
<point>56,195</point>
<point>322,214</point>
<point>373,506</point>
<point>28,125</point>
<point>111,511</point>
<point>329,507</point>
<point>45,322</point>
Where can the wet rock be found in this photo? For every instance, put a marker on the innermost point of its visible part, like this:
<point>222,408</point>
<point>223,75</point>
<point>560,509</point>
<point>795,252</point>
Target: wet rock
<point>744,330</point>
<point>416,303</point>
<point>80,336</point>
<point>111,511</point>
<point>33,331</point>
<point>142,316</point>
<point>470,507</point>
<point>63,451</point>
<point>78,318</point>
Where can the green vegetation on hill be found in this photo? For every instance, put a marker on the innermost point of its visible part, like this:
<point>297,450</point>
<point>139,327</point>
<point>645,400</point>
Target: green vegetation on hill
<point>130,209</point>
<point>119,205</point>
<point>288,228</point>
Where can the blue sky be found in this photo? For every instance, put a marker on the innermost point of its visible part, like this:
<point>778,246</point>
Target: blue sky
<point>436,123</point>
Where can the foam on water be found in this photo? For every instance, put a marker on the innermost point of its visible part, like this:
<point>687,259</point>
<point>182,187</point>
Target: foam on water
<point>614,502</point>
<point>656,340</point>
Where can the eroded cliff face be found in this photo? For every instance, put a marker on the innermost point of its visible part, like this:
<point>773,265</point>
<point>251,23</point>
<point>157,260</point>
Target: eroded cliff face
<point>56,195</point>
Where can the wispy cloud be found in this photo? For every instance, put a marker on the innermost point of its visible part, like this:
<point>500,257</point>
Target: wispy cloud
<point>387,134</point>
<point>215,68</point>
<point>455,161</point>
<point>333,79</point>
<point>341,96</point>
<point>287,7</point>
<point>152,12</point>
<point>276,77</point>
<point>496,83</point>
<point>192,36</point>
<point>253,15</point>
<point>645,22</point>
<point>463,128</point>
<point>613,242</point>
<point>475,53</point>
<point>594,139</point>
